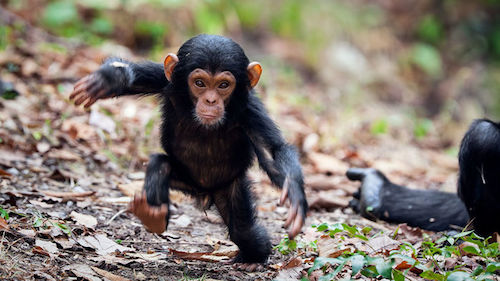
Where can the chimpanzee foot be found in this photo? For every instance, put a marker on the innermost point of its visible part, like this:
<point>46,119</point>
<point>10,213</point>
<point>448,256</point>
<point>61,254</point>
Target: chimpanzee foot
<point>152,217</point>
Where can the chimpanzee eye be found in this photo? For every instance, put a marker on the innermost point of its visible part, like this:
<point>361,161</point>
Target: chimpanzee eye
<point>199,83</point>
<point>223,85</point>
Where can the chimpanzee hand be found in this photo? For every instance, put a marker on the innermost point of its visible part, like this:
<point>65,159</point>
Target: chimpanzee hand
<point>107,82</point>
<point>293,190</point>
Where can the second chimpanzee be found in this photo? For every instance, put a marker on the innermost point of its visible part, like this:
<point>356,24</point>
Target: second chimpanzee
<point>478,190</point>
<point>213,125</point>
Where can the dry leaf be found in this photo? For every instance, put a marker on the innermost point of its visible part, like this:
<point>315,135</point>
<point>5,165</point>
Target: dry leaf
<point>83,271</point>
<point>82,219</point>
<point>68,195</point>
<point>47,246</point>
<point>109,275</point>
<point>39,251</point>
<point>102,244</point>
<point>4,173</point>
<point>3,224</point>
<point>327,164</point>
<point>202,256</point>
<point>63,154</point>
<point>129,189</point>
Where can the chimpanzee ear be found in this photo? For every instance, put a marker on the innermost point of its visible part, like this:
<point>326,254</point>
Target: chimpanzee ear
<point>254,71</point>
<point>169,64</point>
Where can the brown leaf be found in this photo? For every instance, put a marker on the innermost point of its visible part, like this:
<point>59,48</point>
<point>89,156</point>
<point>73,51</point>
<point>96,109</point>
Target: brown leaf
<point>4,225</point>
<point>4,173</point>
<point>63,154</point>
<point>131,188</point>
<point>325,201</point>
<point>68,195</point>
<point>327,164</point>
<point>109,275</point>
<point>202,256</point>
<point>39,251</point>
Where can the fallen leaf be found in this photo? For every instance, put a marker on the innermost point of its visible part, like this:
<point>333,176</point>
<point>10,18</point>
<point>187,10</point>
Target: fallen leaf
<point>68,195</point>
<point>202,256</point>
<point>82,219</point>
<point>131,188</point>
<point>182,221</point>
<point>41,204</point>
<point>64,242</point>
<point>47,246</point>
<point>39,251</point>
<point>4,173</point>
<point>327,164</point>
<point>102,244</point>
<point>293,263</point>
<point>63,154</point>
<point>325,201</point>
<point>83,271</point>
<point>3,224</point>
<point>109,275</point>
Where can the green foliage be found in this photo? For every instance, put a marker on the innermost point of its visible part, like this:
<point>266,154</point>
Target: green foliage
<point>4,214</point>
<point>60,13</point>
<point>4,36</point>
<point>422,127</point>
<point>383,265</point>
<point>428,59</point>
<point>39,221</point>
<point>379,127</point>
<point>287,245</point>
<point>430,29</point>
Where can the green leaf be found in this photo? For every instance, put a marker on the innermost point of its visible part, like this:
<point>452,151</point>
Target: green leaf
<point>459,276</point>
<point>60,13</point>
<point>477,271</point>
<point>319,262</point>
<point>37,135</point>
<point>379,127</point>
<point>366,230</point>
<point>492,267</point>
<point>471,250</point>
<point>384,268</point>
<point>428,59</point>
<point>322,227</point>
<point>4,214</point>
<point>462,234</point>
<point>429,274</point>
<point>430,29</point>
<point>357,262</point>
<point>398,275</point>
<point>63,227</point>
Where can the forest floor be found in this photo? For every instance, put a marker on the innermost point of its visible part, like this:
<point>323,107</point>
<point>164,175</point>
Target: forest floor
<point>66,177</point>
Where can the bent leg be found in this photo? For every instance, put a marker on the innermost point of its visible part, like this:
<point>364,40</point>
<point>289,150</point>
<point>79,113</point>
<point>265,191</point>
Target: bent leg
<point>428,209</point>
<point>235,205</point>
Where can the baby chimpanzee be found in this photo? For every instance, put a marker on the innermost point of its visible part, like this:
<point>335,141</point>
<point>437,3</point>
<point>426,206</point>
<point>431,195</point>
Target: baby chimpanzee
<point>213,126</point>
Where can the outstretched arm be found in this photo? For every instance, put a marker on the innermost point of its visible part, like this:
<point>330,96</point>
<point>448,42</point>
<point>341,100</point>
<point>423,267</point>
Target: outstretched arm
<point>279,160</point>
<point>118,77</point>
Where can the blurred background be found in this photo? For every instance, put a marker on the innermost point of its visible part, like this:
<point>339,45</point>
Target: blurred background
<point>337,73</point>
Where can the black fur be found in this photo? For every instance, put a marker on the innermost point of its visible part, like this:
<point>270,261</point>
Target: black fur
<point>478,190</point>
<point>479,180</point>
<point>212,162</point>
<point>379,198</point>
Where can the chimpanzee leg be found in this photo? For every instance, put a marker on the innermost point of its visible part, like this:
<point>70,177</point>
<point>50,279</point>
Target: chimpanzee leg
<point>151,207</point>
<point>379,198</point>
<point>157,180</point>
<point>235,205</point>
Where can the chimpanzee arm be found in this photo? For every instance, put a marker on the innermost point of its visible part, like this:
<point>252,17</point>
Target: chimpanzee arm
<point>118,77</point>
<point>279,160</point>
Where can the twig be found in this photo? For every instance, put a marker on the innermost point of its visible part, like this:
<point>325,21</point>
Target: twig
<point>116,215</point>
